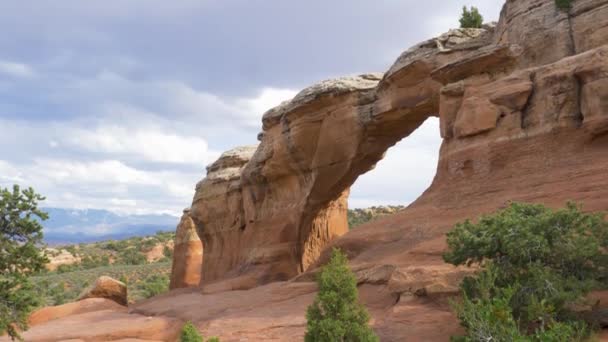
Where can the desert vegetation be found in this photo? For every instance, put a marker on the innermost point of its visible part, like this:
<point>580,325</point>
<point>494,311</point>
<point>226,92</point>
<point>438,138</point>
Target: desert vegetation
<point>20,256</point>
<point>143,281</point>
<point>336,314</point>
<point>128,260</point>
<point>357,217</point>
<point>536,266</point>
<point>189,333</point>
<point>471,18</point>
<point>564,5</point>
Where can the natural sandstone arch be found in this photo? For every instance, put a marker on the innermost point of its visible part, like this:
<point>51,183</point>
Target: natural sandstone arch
<point>266,213</point>
<point>524,118</point>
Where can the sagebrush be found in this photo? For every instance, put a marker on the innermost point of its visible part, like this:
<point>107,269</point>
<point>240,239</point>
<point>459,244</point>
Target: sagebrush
<point>189,333</point>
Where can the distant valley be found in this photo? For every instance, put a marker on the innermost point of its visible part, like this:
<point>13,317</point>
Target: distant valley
<point>73,226</point>
<point>68,226</point>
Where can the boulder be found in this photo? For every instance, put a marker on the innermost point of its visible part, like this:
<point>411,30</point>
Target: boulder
<point>107,287</point>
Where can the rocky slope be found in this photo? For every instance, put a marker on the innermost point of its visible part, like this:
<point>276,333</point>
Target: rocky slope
<point>523,108</point>
<point>58,257</point>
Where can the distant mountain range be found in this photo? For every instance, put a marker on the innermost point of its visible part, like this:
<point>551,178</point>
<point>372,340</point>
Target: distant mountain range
<point>90,225</point>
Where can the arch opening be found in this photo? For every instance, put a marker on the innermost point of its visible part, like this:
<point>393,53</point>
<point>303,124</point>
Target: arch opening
<point>405,172</point>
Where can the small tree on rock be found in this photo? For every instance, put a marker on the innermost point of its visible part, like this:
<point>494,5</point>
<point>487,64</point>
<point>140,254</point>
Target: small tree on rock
<point>470,18</point>
<point>336,314</point>
<point>563,5</point>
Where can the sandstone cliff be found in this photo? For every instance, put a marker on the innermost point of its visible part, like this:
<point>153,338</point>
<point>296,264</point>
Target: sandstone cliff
<point>523,108</point>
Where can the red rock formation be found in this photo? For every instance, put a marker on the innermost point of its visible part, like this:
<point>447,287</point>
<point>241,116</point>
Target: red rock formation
<point>267,215</point>
<point>268,218</point>
<point>59,257</point>
<point>524,116</point>
<point>187,255</point>
<point>157,252</point>
<point>218,215</point>
<point>97,320</point>
<point>109,288</point>
<point>76,308</point>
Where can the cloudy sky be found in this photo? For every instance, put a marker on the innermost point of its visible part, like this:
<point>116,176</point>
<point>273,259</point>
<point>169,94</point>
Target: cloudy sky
<point>119,104</point>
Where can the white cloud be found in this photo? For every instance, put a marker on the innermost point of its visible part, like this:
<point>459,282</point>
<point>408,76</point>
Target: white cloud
<point>185,100</point>
<point>16,69</point>
<point>121,97</point>
<point>99,164</point>
<point>128,152</point>
<point>149,144</point>
<point>95,172</point>
<point>105,184</point>
<point>405,172</point>
<point>268,98</point>
<point>9,174</point>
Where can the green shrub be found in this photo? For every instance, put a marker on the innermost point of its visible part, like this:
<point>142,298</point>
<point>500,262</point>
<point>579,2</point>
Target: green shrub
<point>472,18</point>
<point>131,256</point>
<point>93,261</point>
<point>535,263</point>
<point>563,4</point>
<point>154,285</point>
<point>111,246</point>
<point>190,333</point>
<point>164,236</point>
<point>58,294</point>
<point>336,314</point>
<point>68,268</point>
<point>168,253</point>
<point>358,217</point>
<point>489,316</point>
<point>147,244</point>
<point>71,249</point>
